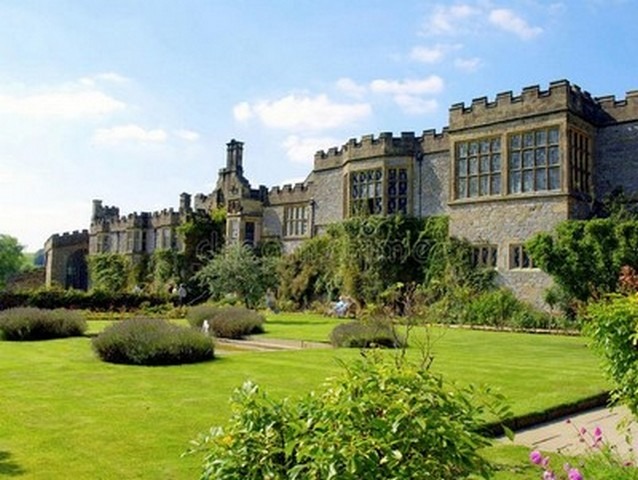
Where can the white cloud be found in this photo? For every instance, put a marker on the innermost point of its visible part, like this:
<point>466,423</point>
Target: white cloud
<point>110,77</point>
<point>128,133</point>
<point>70,104</point>
<point>242,112</point>
<point>474,17</point>
<point>449,20</point>
<point>468,64</point>
<point>416,105</point>
<point>430,85</point>
<point>187,135</point>
<point>510,22</point>
<point>303,112</point>
<point>302,150</point>
<point>432,54</point>
<point>350,87</point>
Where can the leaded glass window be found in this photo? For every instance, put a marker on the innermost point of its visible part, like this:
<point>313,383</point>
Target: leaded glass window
<point>484,255</point>
<point>579,161</point>
<point>534,161</point>
<point>295,220</point>
<point>478,168</point>
<point>397,191</point>
<point>519,257</point>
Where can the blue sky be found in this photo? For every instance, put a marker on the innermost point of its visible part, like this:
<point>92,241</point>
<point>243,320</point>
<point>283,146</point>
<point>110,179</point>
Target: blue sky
<point>133,101</point>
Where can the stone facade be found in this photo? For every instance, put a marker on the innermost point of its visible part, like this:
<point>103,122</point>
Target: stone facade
<point>502,171</point>
<point>65,263</point>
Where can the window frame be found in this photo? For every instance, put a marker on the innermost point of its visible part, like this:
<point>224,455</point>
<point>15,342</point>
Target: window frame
<point>386,190</point>
<point>296,219</point>
<point>579,148</point>
<point>485,255</point>
<point>478,161</point>
<point>525,262</point>
<point>533,155</point>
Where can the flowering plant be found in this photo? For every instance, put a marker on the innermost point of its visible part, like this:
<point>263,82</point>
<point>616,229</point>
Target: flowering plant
<point>601,460</point>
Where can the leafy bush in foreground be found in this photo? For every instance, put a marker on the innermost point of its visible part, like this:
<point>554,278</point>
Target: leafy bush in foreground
<point>612,324</point>
<point>364,334</point>
<point>380,419</point>
<point>28,323</point>
<point>226,321</point>
<point>145,341</point>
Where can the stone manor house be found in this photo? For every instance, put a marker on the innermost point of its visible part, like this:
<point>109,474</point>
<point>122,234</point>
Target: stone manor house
<point>503,170</point>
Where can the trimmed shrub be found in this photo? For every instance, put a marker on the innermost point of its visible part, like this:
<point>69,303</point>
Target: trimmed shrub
<point>358,334</point>
<point>500,308</point>
<point>18,324</point>
<point>226,321</point>
<point>145,341</point>
<point>78,299</point>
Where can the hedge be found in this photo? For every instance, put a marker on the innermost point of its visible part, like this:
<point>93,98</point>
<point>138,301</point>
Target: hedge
<point>76,299</point>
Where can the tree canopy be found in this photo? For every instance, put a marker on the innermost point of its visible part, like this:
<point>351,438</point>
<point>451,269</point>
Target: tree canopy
<point>11,257</point>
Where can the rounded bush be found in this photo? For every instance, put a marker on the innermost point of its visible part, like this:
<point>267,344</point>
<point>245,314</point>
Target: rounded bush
<point>226,321</point>
<point>359,334</point>
<point>145,341</point>
<point>28,323</point>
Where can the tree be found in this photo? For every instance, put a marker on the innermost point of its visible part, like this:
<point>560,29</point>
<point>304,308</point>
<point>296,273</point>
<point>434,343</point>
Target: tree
<point>236,270</point>
<point>11,258</point>
<point>585,257</point>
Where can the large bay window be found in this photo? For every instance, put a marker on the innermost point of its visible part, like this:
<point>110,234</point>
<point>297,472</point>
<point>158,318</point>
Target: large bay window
<point>379,191</point>
<point>478,168</point>
<point>534,161</point>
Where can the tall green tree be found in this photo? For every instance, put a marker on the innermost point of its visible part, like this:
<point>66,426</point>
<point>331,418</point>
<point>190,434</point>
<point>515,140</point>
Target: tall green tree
<point>11,258</point>
<point>237,270</point>
<point>585,257</point>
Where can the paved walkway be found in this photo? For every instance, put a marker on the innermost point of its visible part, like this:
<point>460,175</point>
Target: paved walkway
<point>256,344</point>
<point>561,435</point>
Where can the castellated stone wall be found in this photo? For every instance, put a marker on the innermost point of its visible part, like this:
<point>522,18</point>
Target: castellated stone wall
<point>508,223</point>
<point>328,194</point>
<point>431,179</point>
<point>616,158</point>
<point>65,259</point>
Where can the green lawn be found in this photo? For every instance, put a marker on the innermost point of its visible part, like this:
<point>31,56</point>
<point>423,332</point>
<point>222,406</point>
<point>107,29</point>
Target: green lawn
<point>65,414</point>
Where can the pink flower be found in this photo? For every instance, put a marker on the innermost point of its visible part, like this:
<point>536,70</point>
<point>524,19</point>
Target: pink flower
<point>549,475</point>
<point>574,474</point>
<point>535,457</point>
<point>598,434</point>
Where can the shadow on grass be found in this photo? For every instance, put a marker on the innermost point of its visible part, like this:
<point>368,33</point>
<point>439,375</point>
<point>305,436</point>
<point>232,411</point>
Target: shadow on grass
<point>8,467</point>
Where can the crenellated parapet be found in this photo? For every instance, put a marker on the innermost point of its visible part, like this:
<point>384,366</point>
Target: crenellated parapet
<point>562,96</point>
<point>167,217</point>
<point>432,141</point>
<point>625,110</point>
<point>67,239</point>
<point>386,144</point>
<point>288,194</point>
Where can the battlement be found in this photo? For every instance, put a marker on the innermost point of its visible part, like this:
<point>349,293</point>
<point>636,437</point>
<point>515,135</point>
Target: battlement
<point>432,142</point>
<point>624,110</point>
<point>134,220</point>
<point>297,193</point>
<point>561,96</point>
<point>368,147</point>
<point>67,239</point>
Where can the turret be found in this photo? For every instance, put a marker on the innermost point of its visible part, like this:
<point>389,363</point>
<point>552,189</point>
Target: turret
<point>234,156</point>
